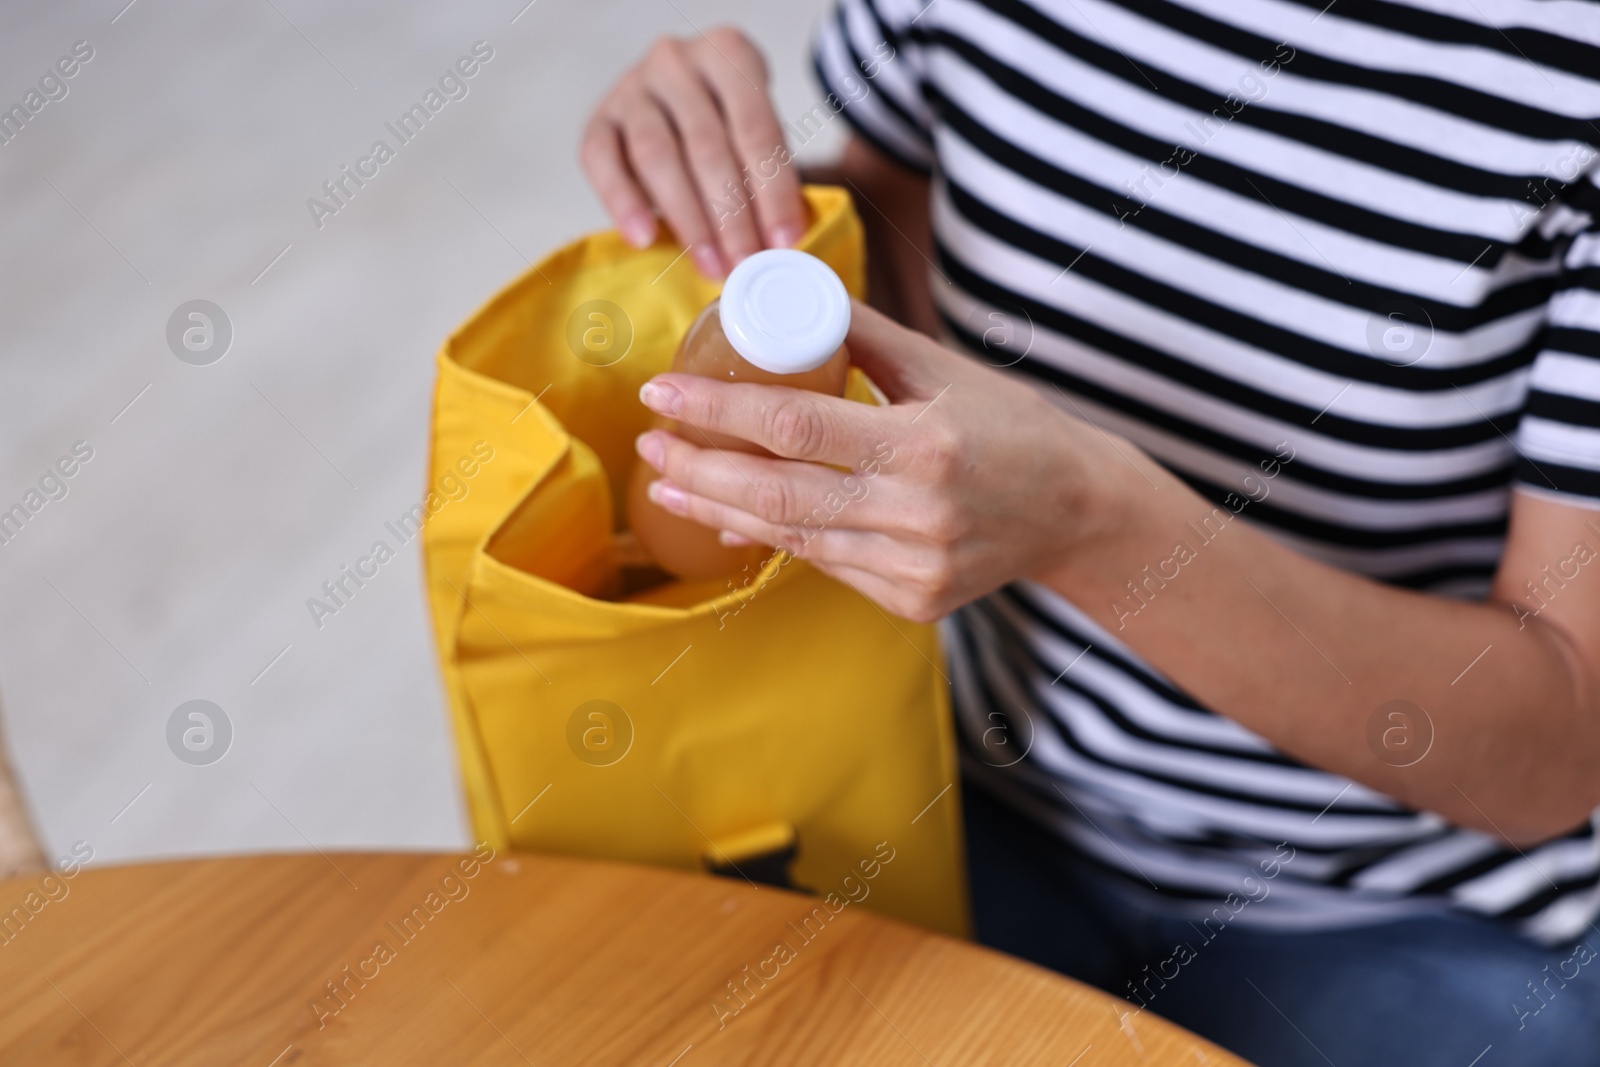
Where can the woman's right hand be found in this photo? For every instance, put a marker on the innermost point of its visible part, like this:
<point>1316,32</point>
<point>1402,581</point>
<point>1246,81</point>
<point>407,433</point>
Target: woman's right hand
<point>690,134</point>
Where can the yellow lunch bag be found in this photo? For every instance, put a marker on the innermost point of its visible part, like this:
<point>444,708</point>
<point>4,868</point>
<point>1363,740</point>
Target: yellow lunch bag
<point>782,727</point>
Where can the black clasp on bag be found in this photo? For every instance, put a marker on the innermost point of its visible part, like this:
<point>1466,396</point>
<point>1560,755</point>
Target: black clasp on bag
<point>762,855</point>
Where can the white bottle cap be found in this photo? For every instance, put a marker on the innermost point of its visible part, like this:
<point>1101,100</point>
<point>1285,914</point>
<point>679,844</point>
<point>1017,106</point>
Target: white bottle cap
<point>785,311</point>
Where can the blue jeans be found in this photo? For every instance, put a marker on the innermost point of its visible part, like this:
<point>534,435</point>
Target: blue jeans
<point>1415,993</point>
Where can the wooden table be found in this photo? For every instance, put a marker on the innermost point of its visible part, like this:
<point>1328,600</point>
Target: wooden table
<point>271,961</point>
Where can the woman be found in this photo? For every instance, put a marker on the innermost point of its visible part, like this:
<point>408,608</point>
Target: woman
<point>1261,501</point>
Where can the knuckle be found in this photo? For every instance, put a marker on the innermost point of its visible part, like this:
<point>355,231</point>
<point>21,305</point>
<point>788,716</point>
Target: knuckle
<point>933,579</point>
<point>941,454</point>
<point>732,41</point>
<point>632,88</point>
<point>941,580</point>
<point>665,50</point>
<point>594,151</point>
<point>943,523</point>
<point>700,510</point>
<point>796,429</point>
<point>915,604</point>
<point>703,140</point>
<point>726,36</point>
<point>739,235</point>
<point>773,501</point>
<point>789,539</point>
<point>707,408</point>
<point>650,147</point>
<point>678,464</point>
<point>758,128</point>
<point>799,544</point>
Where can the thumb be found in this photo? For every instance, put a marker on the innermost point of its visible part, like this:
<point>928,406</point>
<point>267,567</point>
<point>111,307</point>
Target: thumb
<point>903,363</point>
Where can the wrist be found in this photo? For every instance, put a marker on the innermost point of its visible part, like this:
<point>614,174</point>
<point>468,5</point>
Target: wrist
<point>1114,496</point>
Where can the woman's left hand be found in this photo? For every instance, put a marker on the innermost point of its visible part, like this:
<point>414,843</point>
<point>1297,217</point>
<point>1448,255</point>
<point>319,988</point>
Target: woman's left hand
<point>969,479</point>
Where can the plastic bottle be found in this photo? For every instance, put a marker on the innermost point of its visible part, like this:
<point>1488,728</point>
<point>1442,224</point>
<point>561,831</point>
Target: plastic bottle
<point>781,320</point>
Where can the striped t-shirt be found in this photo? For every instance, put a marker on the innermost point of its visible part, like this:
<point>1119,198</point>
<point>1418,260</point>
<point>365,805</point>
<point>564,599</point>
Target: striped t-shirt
<point>1335,265</point>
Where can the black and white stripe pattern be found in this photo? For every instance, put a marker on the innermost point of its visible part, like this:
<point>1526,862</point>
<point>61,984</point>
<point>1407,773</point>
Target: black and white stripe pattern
<point>1203,221</point>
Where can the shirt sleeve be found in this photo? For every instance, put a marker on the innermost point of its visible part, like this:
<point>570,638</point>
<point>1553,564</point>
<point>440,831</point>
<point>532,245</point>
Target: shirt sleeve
<point>869,63</point>
<point>1558,439</point>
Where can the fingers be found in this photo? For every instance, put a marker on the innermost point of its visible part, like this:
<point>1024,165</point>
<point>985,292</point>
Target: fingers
<point>734,68</point>
<point>791,423</point>
<point>905,364</point>
<point>777,491</point>
<point>808,540</point>
<point>656,158</point>
<point>683,93</point>
<point>905,578</point>
<point>912,370</point>
<point>604,161</point>
<point>690,134</point>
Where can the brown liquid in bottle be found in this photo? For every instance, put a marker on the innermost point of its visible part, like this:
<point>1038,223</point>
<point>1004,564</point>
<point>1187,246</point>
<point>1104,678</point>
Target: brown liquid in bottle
<point>682,546</point>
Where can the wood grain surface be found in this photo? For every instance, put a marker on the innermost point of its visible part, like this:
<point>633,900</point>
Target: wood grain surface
<point>437,959</point>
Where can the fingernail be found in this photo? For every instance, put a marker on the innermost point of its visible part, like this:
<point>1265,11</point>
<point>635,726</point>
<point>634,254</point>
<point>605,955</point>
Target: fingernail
<point>733,540</point>
<point>668,496</point>
<point>786,236</point>
<point>660,397</point>
<point>639,230</point>
<point>708,260</point>
<point>651,449</point>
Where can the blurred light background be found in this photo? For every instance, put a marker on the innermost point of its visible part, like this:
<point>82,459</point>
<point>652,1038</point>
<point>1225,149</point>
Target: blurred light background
<point>220,497</point>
